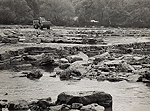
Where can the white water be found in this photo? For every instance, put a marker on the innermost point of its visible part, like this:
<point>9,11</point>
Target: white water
<point>126,96</point>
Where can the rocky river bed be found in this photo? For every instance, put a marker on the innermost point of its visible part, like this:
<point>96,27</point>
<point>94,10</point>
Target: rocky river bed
<point>39,64</point>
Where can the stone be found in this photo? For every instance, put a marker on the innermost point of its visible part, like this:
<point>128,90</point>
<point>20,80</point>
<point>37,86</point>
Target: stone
<point>127,67</point>
<point>18,105</point>
<point>41,105</point>
<point>40,60</point>
<point>76,105</point>
<point>69,74</point>
<point>85,98</point>
<point>64,65</point>
<point>53,74</point>
<point>62,107</point>
<point>63,60</point>
<point>92,107</point>
<point>10,40</point>
<point>23,67</point>
<point>35,74</point>
<point>101,57</point>
<point>79,57</point>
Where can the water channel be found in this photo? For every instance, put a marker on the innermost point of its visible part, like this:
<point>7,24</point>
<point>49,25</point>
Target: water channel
<point>126,96</point>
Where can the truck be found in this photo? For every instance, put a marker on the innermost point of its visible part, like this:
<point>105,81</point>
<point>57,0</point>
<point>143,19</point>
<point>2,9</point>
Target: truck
<point>41,23</point>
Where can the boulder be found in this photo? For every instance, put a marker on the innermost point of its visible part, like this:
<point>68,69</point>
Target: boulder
<point>41,105</point>
<point>64,65</point>
<point>10,40</point>
<point>18,105</point>
<point>53,74</point>
<point>35,74</point>
<point>63,60</point>
<point>101,57</point>
<point>23,67</point>
<point>79,57</point>
<point>145,77</point>
<point>62,107</point>
<point>40,60</point>
<point>92,107</point>
<point>69,74</point>
<point>85,98</point>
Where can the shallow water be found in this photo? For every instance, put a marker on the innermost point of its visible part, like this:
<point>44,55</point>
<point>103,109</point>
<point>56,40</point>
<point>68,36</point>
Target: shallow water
<point>126,96</point>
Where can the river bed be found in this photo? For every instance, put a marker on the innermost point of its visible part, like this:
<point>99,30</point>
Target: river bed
<point>126,96</point>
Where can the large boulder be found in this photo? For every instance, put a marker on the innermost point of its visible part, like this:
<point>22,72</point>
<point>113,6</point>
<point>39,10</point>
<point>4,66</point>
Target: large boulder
<point>85,98</point>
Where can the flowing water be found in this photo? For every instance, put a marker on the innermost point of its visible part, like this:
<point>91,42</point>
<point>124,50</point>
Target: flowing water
<point>126,96</point>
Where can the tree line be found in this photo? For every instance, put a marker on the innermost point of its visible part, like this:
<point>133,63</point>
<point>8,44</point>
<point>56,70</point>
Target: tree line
<point>122,13</point>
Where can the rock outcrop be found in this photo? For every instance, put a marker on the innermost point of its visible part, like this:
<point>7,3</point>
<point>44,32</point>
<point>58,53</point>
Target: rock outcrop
<point>85,98</point>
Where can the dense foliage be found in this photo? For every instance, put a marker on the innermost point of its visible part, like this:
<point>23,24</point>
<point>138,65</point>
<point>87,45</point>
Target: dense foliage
<point>129,13</point>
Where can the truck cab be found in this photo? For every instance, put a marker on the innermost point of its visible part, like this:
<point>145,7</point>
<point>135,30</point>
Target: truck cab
<point>41,23</point>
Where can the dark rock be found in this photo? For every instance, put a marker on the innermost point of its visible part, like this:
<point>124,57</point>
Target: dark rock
<point>23,67</point>
<point>85,98</point>
<point>53,74</point>
<point>101,57</point>
<point>145,77</point>
<point>71,59</point>
<point>35,74</point>
<point>41,105</point>
<point>40,60</point>
<point>10,40</point>
<point>18,105</point>
<point>64,65</point>
<point>69,73</point>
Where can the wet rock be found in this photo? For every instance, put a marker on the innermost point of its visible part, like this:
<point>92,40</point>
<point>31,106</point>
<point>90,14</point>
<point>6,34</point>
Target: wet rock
<point>76,105</point>
<point>79,57</point>
<point>23,67</point>
<point>18,105</point>
<point>109,78</point>
<point>41,105</point>
<point>10,40</point>
<point>127,67</point>
<point>101,57</point>
<point>85,98</point>
<point>145,77</point>
<point>53,74</point>
<point>40,60</point>
<point>3,104</point>
<point>62,107</point>
<point>35,74</point>
<point>70,74</point>
<point>63,60</point>
<point>92,107</point>
<point>133,78</point>
<point>64,66</point>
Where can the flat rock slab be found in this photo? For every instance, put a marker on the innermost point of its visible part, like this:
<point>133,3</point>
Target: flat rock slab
<point>85,98</point>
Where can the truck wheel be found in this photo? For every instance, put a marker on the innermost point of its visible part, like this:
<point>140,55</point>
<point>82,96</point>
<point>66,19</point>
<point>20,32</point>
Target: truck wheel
<point>48,27</point>
<point>41,28</point>
<point>35,26</point>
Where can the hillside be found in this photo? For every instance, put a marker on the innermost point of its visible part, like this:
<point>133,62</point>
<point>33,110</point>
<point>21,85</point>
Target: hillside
<point>128,13</point>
